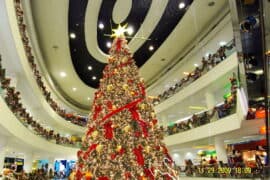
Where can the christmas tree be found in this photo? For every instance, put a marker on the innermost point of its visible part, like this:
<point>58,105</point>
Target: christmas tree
<point>123,140</point>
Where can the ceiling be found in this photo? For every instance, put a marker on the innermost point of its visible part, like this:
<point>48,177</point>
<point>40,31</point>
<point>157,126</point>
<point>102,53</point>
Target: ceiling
<point>68,57</point>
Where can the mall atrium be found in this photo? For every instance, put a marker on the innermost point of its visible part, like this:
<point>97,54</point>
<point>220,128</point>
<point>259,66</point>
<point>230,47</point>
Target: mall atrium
<point>134,89</point>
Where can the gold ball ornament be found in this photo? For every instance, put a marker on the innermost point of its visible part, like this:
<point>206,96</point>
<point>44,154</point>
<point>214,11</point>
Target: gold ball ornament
<point>142,106</point>
<point>111,60</point>
<point>109,87</point>
<point>94,134</point>
<point>113,107</point>
<point>125,86</point>
<point>88,174</point>
<point>127,128</point>
<point>99,148</point>
<point>124,59</point>
<point>147,149</point>
<point>118,148</point>
<point>132,93</point>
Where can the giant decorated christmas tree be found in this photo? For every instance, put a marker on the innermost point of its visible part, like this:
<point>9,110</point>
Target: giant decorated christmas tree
<point>123,140</point>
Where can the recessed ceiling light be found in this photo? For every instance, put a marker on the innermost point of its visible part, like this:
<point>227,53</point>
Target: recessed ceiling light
<point>88,98</point>
<point>101,26</point>
<point>222,43</point>
<point>90,68</point>
<point>196,65</point>
<point>63,74</point>
<point>151,48</point>
<point>130,30</point>
<point>74,89</point>
<point>94,77</point>
<point>181,5</point>
<point>109,44</point>
<point>72,35</point>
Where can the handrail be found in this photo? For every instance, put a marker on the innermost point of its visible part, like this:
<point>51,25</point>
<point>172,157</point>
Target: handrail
<point>206,66</point>
<point>219,111</point>
<point>12,99</point>
<point>75,119</point>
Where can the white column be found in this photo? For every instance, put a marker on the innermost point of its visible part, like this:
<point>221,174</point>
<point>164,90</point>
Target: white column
<point>221,150</point>
<point>3,148</point>
<point>210,103</point>
<point>51,163</point>
<point>2,158</point>
<point>28,162</point>
<point>210,100</point>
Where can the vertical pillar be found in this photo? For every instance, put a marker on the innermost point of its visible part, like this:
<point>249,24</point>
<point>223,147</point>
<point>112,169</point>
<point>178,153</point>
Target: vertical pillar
<point>221,150</point>
<point>51,163</point>
<point>2,158</point>
<point>28,162</point>
<point>210,102</point>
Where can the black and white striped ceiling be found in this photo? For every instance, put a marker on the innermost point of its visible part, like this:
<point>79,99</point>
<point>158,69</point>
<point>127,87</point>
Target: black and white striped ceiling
<point>90,20</point>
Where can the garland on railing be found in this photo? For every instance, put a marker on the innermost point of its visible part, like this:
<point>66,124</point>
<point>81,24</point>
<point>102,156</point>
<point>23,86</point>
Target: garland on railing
<point>207,65</point>
<point>203,118</point>
<point>12,99</point>
<point>75,119</point>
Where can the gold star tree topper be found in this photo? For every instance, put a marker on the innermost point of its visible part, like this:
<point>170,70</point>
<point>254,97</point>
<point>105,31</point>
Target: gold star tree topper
<point>120,31</point>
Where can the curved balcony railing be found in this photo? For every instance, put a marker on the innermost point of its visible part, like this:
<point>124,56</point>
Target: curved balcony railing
<point>206,65</point>
<point>12,99</point>
<point>69,116</point>
<point>219,111</point>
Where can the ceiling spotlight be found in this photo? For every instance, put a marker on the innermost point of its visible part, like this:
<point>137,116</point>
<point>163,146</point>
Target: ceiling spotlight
<point>88,98</point>
<point>72,35</point>
<point>196,65</point>
<point>94,77</point>
<point>130,30</point>
<point>90,68</point>
<point>63,74</point>
<point>101,26</point>
<point>151,48</point>
<point>74,89</point>
<point>109,44</point>
<point>181,5</point>
<point>222,43</point>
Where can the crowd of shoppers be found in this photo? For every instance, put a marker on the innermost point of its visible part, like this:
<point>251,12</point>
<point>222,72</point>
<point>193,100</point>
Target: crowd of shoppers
<point>206,65</point>
<point>13,100</point>
<point>196,120</point>
<point>69,116</point>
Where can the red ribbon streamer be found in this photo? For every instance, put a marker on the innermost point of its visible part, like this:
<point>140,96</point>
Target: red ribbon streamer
<point>89,131</point>
<point>139,156</point>
<point>108,130</point>
<point>118,44</point>
<point>79,175</point>
<point>136,117</point>
<point>103,178</point>
<point>149,173</point>
<point>127,106</point>
<point>97,111</point>
<point>142,89</point>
